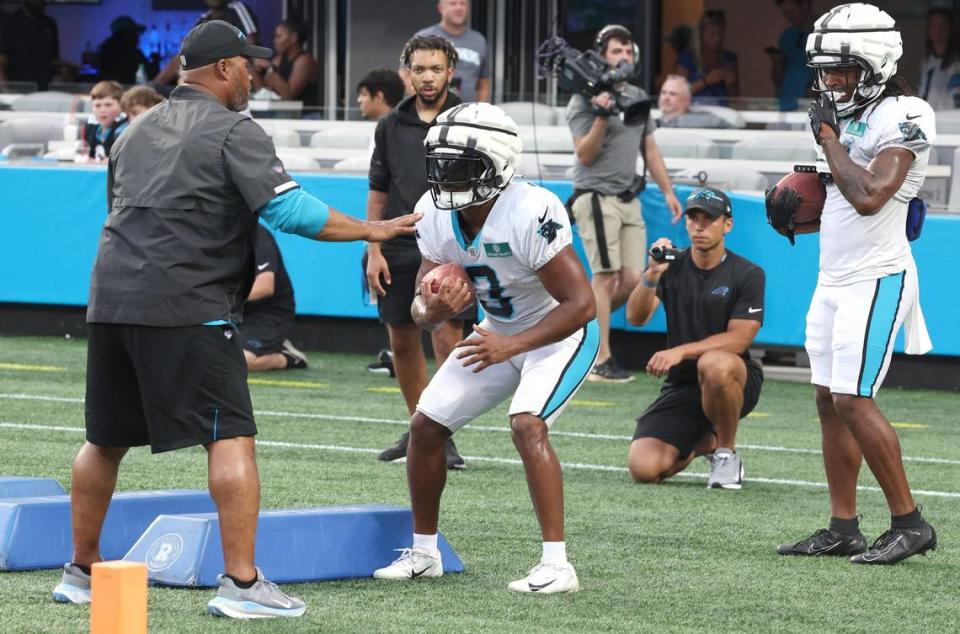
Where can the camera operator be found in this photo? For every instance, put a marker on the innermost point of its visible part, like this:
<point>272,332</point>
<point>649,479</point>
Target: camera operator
<point>606,184</point>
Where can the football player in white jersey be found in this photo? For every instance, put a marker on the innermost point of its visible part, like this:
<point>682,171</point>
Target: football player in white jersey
<point>538,340</point>
<point>875,138</point>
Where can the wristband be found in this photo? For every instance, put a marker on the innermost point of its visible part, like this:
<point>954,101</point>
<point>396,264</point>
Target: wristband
<point>646,283</point>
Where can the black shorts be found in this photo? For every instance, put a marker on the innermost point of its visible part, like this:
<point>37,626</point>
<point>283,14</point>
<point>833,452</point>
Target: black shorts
<point>394,308</point>
<point>677,416</point>
<point>165,387</point>
<point>263,333</point>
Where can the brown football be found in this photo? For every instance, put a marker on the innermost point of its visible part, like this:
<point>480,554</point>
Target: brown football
<point>436,276</point>
<point>812,196</point>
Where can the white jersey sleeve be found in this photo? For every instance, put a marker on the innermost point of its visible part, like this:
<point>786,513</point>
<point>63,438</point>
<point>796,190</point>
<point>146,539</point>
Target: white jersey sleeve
<point>546,232</point>
<point>908,123</point>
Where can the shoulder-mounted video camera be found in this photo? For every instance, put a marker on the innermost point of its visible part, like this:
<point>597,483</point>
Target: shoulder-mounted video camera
<point>589,75</point>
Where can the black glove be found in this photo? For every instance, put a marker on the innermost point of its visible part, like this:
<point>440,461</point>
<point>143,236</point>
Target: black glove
<point>823,112</point>
<point>782,205</point>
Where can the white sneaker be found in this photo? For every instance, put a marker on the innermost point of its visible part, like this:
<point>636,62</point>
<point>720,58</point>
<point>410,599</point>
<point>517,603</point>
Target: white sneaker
<point>547,579</point>
<point>412,563</point>
<point>726,470</point>
<point>74,586</point>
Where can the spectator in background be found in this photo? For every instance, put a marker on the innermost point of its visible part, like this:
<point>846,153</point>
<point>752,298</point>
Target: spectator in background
<point>120,54</point>
<point>292,73</point>
<point>269,311</point>
<point>710,69</point>
<point>471,79</point>
<point>108,120</point>
<point>138,100</point>
<point>675,109</point>
<point>790,73</point>
<point>940,75</point>
<point>33,44</point>
<point>236,13</point>
<point>378,92</point>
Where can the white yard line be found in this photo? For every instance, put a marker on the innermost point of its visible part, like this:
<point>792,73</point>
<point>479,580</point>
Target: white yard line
<point>575,466</point>
<point>486,428</point>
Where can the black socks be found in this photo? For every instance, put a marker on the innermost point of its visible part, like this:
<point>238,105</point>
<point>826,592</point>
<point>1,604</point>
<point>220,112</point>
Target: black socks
<point>243,585</point>
<point>912,519</point>
<point>849,527</point>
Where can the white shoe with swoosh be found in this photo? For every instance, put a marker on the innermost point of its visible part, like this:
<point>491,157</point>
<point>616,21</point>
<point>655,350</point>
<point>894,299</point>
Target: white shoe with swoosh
<point>411,564</point>
<point>547,579</point>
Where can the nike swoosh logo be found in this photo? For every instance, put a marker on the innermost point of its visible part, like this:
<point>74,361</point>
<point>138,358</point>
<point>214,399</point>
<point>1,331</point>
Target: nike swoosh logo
<point>260,267</point>
<point>881,553</point>
<point>537,587</point>
<point>416,573</point>
<point>754,310</point>
<point>813,551</point>
<point>542,218</point>
<point>911,118</point>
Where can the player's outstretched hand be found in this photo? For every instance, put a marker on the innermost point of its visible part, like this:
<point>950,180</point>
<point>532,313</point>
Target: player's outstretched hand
<point>381,230</point>
<point>485,348</point>
<point>661,362</point>
<point>452,298</point>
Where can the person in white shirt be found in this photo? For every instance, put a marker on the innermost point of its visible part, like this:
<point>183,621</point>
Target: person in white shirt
<point>875,138</point>
<point>940,74</point>
<point>536,345</point>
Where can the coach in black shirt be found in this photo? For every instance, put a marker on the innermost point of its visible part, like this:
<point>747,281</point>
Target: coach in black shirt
<point>713,300</point>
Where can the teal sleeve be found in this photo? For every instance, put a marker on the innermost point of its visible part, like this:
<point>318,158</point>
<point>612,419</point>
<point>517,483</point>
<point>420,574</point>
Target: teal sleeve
<point>297,212</point>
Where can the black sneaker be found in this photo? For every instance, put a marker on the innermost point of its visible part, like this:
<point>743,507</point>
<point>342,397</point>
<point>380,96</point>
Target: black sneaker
<point>296,360</point>
<point>383,365</point>
<point>398,451</point>
<point>897,544</point>
<point>454,459</point>
<point>826,542</point>
<point>609,372</point>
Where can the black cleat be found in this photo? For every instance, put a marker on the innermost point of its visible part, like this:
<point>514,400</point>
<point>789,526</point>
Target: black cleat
<point>398,451</point>
<point>897,544</point>
<point>826,542</point>
<point>383,365</point>
<point>296,360</point>
<point>454,459</point>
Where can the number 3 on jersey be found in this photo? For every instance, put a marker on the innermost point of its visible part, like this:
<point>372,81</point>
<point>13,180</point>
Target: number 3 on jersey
<point>496,304</point>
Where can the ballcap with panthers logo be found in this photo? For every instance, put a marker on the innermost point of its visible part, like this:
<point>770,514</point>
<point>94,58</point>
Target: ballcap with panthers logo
<point>712,202</point>
<point>213,40</point>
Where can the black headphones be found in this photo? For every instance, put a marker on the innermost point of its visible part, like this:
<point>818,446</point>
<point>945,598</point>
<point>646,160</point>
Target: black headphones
<point>615,31</point>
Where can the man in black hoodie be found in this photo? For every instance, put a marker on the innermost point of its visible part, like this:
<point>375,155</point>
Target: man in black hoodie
<point>398,178</point>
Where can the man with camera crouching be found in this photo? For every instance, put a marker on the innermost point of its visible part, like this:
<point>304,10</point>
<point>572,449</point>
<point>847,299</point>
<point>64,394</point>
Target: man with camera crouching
<point>606,184</point>
<point>713,300</point>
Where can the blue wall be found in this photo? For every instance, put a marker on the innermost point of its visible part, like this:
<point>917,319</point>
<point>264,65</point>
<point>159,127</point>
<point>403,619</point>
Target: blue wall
<point>52,217</point>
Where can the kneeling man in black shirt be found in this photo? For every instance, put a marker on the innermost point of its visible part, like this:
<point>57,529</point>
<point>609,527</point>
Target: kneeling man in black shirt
<point>713,300</point>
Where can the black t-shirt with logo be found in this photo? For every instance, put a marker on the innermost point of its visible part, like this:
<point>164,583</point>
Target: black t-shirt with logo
<point>267,259</point>
<point>701,303</point>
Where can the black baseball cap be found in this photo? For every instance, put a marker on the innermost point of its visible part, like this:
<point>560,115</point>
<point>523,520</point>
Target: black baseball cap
<point>213,40</point>
<point>712,202</point>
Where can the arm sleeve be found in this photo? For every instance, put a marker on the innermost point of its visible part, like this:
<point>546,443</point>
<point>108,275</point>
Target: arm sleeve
<point>911,125</point>
<point>426,230</point>
<point>546,233</point>
<point>265,251</point>
<point>750,292</point>
<point>379,177</point>
<point>252,164</point>
<point>297,212</point>
<point>580,116</point>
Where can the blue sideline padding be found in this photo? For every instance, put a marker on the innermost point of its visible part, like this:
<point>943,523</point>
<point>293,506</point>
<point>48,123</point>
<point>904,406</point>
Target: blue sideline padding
<point>293,545</point>
<point>23,486</point>
<point>35,531</point>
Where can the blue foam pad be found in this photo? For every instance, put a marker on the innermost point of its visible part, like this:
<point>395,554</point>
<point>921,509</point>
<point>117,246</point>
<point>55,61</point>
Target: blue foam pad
<point>293,545</point>
<point>20,486</point>
<point>35,531</point>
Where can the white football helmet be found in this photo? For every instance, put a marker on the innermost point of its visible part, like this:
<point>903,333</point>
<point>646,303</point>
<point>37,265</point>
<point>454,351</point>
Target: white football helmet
<point>472,151</point>
<point>855,34</point>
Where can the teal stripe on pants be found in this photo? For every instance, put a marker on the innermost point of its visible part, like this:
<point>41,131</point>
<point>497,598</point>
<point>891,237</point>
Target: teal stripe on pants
<point>576,370</point>
<point>879,334</point>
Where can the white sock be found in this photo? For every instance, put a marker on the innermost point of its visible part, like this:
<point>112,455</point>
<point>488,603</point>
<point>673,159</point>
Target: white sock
<point>554,553</point>
<point>425,542</point>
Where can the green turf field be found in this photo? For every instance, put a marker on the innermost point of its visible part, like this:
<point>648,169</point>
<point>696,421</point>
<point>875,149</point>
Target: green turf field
<point>675,557</point>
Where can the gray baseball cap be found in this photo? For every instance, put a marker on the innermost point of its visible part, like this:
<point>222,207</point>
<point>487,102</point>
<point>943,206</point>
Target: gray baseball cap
<point>213,40</point>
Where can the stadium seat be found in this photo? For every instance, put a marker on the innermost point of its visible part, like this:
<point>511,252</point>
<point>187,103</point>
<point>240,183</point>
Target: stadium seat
<point>948,122</point>
<point>529,112</point>
<point>30,131</point>
<point>732,177</point>
<point>675,143</point>
<point>731,116</point>
<point>295,161</point>
<point>348,136</point>
<point>359,163</point>
<point>49,101</point>
<point>283,136</point>
<point>546,138</point>
<point>774,147</point>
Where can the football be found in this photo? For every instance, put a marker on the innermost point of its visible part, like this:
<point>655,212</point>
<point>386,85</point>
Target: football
<point>436,276</point>
<point>812,193</point>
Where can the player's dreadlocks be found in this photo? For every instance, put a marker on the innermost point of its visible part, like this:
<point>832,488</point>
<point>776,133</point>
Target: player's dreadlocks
<point>429,43</point>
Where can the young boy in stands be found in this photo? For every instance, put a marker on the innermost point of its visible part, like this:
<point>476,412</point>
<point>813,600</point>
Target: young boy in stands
<point>108,120</point>
<point>138,100</point>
